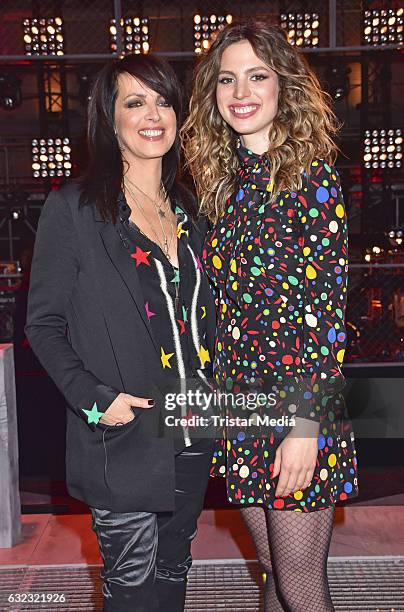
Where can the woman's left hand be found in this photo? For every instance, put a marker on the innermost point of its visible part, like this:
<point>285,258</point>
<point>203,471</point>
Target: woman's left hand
<point>295,458</point>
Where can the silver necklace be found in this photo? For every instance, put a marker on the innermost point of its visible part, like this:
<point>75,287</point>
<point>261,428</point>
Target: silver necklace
<point>160,210</point>
<point>167,244</point>
<point>165,249</point>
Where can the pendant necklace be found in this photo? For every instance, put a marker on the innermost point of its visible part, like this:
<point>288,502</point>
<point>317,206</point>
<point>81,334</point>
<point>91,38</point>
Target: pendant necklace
<point>159,207</point>
<point>166,245</point>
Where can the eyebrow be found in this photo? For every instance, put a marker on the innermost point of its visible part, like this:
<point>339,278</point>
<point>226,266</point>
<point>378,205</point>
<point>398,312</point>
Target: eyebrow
<point>247,71</point>
<point>140,95</point>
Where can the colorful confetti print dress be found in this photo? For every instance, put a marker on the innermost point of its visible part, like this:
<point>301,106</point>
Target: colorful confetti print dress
<point>279,275</point>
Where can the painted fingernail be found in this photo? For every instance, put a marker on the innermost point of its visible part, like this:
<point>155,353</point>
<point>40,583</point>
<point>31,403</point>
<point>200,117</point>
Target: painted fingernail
<point>150,402</point>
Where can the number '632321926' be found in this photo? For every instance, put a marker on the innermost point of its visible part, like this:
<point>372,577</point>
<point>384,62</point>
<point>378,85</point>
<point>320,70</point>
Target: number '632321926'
<point>36,598</point>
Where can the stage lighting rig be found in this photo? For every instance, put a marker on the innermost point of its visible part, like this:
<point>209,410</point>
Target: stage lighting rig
<point>43,36</point>
<point>51,157</point>
<point>15,203</point>
<point>374,253</point>
<point>135,31</point>
<point>396,236</point>
<point>206,29</point>
<point>302,29</point>
<point>16,214</point>
<point>383,26</point>
<point>337,78</point>
<point>10,91</point>
<point>383,148</point>
<point>85,78</point>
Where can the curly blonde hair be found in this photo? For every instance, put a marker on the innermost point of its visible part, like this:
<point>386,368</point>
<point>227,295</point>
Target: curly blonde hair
<point>302,130</point>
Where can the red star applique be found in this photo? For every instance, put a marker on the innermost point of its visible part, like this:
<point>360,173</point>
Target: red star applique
<point>182,326</point>
<point>141,257</point>
<point>189,415</point>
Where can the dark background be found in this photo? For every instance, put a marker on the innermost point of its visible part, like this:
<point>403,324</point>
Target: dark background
<point>49,100</point>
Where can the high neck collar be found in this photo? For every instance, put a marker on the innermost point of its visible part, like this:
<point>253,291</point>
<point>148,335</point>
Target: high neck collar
<point>254,171</point>
<point>250,160</point>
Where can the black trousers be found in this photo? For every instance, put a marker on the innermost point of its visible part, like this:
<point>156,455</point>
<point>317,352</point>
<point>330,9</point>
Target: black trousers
<point>146,555</point>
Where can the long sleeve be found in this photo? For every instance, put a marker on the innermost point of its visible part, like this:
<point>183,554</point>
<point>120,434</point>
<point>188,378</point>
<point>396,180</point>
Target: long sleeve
<point>324,241</point>
<point>54,270</point>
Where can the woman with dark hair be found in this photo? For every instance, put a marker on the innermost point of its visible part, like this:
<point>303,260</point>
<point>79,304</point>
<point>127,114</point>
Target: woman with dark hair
<point>119,314</point>
<point>259,143</point>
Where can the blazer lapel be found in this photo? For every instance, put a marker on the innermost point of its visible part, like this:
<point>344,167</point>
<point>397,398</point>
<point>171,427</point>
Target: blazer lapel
<point>126,267</point>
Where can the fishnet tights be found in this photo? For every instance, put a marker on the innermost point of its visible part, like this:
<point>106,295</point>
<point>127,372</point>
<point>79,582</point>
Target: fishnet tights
<point>297,543</point>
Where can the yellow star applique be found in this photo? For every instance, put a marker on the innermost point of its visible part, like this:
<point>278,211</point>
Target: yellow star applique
<point>165,358</point>
<point>181,231</point>
<point>203,355</point>
<point>203,312</point>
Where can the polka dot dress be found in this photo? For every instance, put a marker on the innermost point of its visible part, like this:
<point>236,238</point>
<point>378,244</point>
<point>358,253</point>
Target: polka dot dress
<point>279,271</point>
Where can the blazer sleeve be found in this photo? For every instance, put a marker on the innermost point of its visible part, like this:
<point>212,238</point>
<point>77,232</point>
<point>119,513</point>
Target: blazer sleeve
<point>323,256</point>
<point>54,269</point>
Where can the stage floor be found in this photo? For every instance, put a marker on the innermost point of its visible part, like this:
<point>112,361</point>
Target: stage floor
<point>357,583</point>
<point>58,554</point>
<point>68,539</point>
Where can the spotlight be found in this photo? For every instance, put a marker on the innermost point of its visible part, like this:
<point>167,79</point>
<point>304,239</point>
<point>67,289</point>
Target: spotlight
<point>206,28</point>
<point>10,91</point>
<point>51,157</point>
<point>301,28</point>
<point>16,214</point>
<point>396,236</point>
<point>337,78</point>
<point>383,148</point>
<point>43,36</point>
<point>85,78</point>
<point>383,26</point>
<point>135,32</point>
<point>14,202</point>
<point>374,253</point>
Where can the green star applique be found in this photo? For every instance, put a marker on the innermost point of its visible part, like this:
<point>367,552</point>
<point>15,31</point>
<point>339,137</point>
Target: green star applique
<point>93,415</point>
<point>176,278</point>
<point>184,314</point>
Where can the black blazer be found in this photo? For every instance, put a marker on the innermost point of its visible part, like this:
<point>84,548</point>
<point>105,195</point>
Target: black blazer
<point>88,326</point>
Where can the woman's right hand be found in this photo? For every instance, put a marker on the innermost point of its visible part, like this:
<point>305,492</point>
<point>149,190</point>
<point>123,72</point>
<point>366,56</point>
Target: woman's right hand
<point>120,411</point>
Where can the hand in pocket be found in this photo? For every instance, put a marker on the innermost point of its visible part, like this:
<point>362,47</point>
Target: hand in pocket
<point>120,411</point>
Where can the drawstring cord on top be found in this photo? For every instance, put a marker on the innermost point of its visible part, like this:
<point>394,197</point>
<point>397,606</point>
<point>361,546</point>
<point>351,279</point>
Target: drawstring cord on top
<point>106,457</point>
<point>124,240</point>
<point>105,452</point>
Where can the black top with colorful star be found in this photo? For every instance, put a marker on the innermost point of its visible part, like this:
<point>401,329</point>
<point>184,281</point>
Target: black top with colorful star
<point>178,329</point>
<point>175,300</point>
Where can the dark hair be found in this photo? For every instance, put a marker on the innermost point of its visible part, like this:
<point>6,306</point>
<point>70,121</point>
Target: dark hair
<point>102,181</point>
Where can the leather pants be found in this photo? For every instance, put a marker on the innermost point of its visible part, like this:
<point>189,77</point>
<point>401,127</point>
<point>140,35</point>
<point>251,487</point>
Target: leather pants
<point>147,555</point>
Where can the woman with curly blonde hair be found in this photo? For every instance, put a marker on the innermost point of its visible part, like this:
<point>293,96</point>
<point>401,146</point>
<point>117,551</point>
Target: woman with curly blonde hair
<point>259,143</point>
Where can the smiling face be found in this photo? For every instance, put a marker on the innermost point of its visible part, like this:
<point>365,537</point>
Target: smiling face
<point>247,95</point>
<point>145,123</point>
